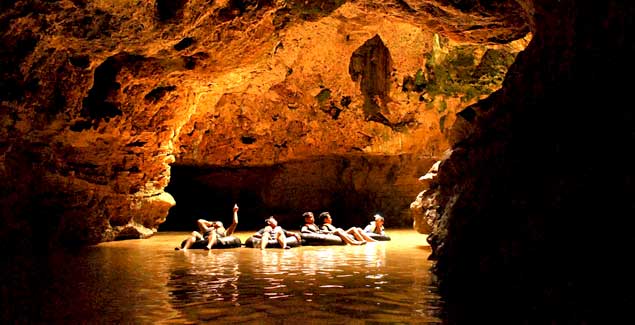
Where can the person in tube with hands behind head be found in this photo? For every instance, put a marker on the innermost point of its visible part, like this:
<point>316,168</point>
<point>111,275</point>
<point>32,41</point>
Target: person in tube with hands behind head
<point>377,226</point>
<point>272,230</point>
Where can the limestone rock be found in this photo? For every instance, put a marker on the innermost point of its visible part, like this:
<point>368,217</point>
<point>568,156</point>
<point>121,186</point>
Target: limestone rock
<point>100,98</point>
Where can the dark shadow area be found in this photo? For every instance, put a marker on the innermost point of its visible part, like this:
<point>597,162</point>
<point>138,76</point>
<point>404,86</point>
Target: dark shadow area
<point>351,188</point>
<point>212,201</point>
<point>170,9</point>
<point>541,233</point>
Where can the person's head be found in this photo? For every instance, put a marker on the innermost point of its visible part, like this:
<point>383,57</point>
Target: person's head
<point>308,217</point>
<point>325,217</point>
<point>379,220</point>
<point>271,221</point>
<point>217,224</point>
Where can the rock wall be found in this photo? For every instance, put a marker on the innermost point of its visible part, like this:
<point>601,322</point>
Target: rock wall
<point>99,98</point>
<point>535,196</point>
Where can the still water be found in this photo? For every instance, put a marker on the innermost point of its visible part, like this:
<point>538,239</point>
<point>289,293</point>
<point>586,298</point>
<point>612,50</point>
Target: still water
<point>147,281</point>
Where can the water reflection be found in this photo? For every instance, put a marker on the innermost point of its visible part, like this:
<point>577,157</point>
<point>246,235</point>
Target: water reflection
<point>146,281</point>
<point>326,283</point>
<point>207,277</point>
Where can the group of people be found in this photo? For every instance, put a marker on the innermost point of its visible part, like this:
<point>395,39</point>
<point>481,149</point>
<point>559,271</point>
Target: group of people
<point>211,231</point>
<point>359,236</point>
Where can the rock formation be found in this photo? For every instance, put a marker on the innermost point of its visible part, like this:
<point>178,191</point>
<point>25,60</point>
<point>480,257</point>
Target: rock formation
<point>101,99</point>
<point>535,195</point>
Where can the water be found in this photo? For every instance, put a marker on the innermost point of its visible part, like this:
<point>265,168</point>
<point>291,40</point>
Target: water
<point>146,281</point>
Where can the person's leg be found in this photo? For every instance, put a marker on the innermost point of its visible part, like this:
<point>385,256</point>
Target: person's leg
<point>188,243</point>
<point>195,235</point>
<point>364,236</point>
<point>264,240</point>
<point>352,231</point>
<point>346,238</point>
<point>282,239</point>
<point>211,240</point>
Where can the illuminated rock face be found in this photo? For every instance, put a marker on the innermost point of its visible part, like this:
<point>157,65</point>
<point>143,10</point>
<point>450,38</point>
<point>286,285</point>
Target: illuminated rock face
<point>100,98</point>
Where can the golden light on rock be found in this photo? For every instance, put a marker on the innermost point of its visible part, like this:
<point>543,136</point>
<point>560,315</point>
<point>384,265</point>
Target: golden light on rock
<point>120,91</point>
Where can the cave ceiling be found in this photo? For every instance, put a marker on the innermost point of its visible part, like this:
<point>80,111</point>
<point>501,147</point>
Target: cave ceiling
<point>103,96</point>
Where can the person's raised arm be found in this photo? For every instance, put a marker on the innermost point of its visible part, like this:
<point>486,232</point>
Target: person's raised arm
<point>232,227</point>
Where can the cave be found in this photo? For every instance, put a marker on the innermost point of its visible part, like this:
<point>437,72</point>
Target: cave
<point>501,129</point>
<point>353,187</point>
<point>122,125</point>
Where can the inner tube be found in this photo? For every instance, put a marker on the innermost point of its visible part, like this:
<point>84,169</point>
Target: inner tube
<point>254,242</point>
<point>313,239</point>
<point>223,242</point>
<point>378,237</point>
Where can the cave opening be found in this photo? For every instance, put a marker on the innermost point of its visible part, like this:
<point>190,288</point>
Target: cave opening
<point>351,187</point>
